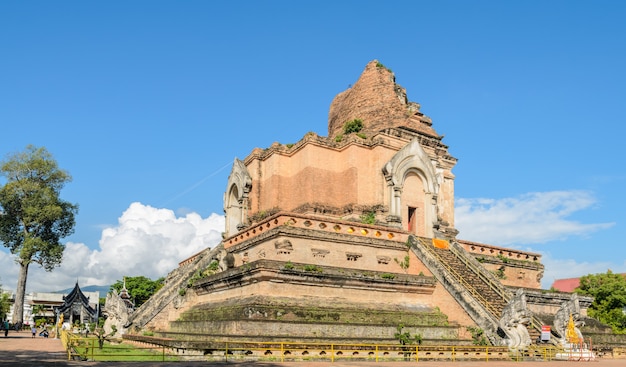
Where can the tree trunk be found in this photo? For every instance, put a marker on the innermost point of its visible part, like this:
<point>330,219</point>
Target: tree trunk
<point>20,293</point>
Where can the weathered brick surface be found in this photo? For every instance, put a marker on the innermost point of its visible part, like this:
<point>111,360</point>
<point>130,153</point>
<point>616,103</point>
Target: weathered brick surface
<point>377,100</point>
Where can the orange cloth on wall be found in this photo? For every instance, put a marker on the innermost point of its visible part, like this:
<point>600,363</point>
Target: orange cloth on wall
<point>438,243</point>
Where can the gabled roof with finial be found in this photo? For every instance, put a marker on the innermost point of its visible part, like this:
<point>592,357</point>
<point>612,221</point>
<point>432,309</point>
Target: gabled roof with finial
<point>76,296</point>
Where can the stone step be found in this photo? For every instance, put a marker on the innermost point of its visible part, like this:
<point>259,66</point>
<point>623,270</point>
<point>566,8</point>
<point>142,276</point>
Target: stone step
<point>470,277</point>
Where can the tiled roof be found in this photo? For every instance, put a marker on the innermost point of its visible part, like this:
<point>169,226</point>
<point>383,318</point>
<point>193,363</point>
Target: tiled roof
<point>76,295</point>
<point>566,285</point>
<point>569,284</point>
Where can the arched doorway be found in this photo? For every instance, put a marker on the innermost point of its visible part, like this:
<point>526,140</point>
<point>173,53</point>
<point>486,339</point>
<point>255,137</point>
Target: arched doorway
<point>233,211</point>
<point>236,198</point>
<point>412,190</point>
<point>412,202</point>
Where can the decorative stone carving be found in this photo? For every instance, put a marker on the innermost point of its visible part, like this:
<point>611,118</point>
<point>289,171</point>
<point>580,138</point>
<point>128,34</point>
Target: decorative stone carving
<point>321,253</point>
<point>117,309</point>
<point>539,276</point>
<point>515,320</point>
<point>353,256</point>
<point>283,247</point>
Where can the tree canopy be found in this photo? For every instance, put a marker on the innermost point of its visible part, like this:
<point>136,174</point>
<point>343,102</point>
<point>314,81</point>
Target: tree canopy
<point>609,292</point>
<point>33,218</point>
<point>140,288</point>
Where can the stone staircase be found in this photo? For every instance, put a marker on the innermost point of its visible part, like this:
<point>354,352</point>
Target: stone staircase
<point>176,280</point>
<point>478,291</point>
<point>482,289</point>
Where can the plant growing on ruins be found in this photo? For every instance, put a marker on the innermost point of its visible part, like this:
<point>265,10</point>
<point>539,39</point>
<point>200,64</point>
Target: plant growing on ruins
<point>380,65</point>
<point>310,267</point>
<point>353,126</point>
<point>338,138</point>
<point>194,278</point>
<point>406,339</point>
<point>388,276</point>
<point>289,265</point>
<point>260,215</point>
<point>245,267</point>
<point>200,274</point>
<point>499,273</point>
<point>404,264</point>
<point>361,135</point>
<point>478,335</point>
<point>368,218</point>
<point>503,258</point>
<point>213,267</point>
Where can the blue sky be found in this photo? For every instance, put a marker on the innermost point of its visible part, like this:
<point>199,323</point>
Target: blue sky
<point>147,103</point>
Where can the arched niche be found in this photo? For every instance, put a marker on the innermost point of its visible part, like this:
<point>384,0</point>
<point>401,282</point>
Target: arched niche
<point>236,197</point>
<point>412,189</point>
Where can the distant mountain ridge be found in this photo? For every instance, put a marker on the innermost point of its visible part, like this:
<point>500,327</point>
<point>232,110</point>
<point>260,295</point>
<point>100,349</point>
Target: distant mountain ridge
<point>103,289</point>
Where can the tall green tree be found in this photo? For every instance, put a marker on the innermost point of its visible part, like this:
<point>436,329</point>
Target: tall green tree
<point>139,288</point>
<point>609,292</point>
<point>33,218</point>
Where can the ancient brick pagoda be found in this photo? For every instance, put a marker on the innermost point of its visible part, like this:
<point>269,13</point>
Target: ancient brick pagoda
<point>345,237</point>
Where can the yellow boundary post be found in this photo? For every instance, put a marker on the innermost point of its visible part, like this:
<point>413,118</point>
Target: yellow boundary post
<point>332,352</point>
<point>487,354</point>
<point>282,352</point>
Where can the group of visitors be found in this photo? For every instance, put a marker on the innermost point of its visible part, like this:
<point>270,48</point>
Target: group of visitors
<point>44,331</point>
<point>6,326</point>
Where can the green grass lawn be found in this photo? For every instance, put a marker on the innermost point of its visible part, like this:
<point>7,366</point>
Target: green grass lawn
<point>89,349</point>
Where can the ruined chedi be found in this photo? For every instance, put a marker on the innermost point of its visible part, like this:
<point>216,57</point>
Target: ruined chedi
<point>347,236</point>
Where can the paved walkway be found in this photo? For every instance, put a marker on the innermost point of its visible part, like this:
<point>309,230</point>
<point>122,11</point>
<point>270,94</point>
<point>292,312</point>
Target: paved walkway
<point>20,349</point>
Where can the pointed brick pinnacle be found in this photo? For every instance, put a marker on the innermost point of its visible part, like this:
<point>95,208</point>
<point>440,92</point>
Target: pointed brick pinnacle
<point>379,102</point>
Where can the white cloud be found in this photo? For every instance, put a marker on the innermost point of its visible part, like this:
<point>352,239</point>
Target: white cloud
<point>531,218</point>
<point>8,270</point>
<point>146,241</point>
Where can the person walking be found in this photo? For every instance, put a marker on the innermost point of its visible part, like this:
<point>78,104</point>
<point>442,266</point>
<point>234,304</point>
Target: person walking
<point>33,330</point>
<point>6,328</point>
